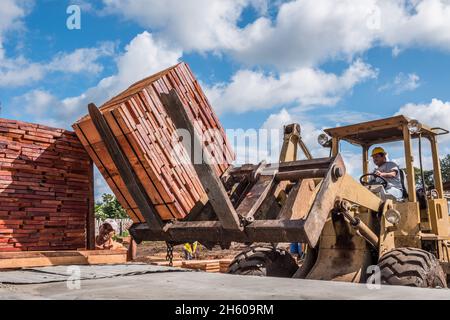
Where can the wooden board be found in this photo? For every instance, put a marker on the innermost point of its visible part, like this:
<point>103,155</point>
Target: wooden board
<point>12,260</point>
<point>147,136</point>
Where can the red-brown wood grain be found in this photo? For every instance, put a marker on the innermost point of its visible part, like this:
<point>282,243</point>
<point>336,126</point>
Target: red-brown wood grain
<point>45,188</point>
<point>146,135</point>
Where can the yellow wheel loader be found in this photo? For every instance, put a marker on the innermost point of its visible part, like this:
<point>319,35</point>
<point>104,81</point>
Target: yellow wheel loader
<point>354,232</point>
<point>406,238</point>
<point>367,232</point>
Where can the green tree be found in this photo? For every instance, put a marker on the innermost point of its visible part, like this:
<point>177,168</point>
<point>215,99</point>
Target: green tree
<point>109,207</point>
<point>445,167</point>
<point>428,174</point>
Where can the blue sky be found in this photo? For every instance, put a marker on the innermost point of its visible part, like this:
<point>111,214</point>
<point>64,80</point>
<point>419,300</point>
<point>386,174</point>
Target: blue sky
<point>261,63</point>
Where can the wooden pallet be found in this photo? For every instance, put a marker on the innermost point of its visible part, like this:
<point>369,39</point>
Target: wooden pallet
<point>46,188</point>
<point>146,135</point>
<point>13,260</point>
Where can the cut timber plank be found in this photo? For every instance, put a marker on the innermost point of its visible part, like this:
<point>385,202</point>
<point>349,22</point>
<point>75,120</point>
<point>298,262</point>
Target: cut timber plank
<point>12,260</point>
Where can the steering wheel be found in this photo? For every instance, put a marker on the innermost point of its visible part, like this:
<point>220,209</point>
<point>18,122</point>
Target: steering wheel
<point>384,183</point>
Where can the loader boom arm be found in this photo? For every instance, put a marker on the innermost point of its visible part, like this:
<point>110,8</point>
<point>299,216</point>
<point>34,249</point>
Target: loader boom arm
<point>252,200</point>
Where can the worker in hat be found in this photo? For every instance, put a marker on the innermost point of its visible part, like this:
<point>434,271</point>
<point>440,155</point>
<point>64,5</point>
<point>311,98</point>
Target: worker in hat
<point>389,171</point>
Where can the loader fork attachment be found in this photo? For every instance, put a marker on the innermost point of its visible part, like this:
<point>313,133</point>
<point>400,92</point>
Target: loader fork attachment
<point>282,202</point>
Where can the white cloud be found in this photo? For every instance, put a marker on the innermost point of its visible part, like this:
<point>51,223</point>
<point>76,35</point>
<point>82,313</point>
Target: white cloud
<point>303,33</point>
<point>416,23</point>
<point>194,25</point>
<point>81,60</point>
<point>142,57</point>
<point>42,107</point>
<point>251,90</point>
<point>11,14</point>
<point>309,32</point>
<point>402,83</point>
<point>434,114</point>
<point>19,71</point>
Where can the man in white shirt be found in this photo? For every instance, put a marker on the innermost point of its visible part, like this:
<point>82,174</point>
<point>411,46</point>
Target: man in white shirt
<point>388,170</point>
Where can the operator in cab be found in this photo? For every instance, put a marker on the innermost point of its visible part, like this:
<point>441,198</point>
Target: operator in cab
<point>389,171</point>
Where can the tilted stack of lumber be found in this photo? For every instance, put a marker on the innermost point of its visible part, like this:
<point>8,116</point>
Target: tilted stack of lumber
<point>46,193</point>
<point>146,135</point>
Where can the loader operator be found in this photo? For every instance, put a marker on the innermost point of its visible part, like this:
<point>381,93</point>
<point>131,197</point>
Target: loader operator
<point>389,171</point>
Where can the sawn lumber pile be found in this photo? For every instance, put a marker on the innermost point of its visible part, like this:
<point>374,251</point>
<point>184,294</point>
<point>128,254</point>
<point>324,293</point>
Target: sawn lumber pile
<point>45,188</point>
<point>145,133</point>
<point>13,260</point>
<point>214,266</point>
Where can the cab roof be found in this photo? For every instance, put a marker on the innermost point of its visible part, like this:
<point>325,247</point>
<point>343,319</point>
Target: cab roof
<point>379,131</point>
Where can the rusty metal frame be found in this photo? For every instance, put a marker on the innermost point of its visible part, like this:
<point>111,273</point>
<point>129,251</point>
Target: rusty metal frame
<point>306,230</point>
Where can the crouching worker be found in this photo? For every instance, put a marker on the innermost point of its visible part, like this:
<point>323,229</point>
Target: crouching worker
<point>104,240</point>
<point>389,171</point>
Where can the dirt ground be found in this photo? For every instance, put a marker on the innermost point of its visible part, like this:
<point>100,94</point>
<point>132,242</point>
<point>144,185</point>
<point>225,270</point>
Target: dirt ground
<point>147,251</point>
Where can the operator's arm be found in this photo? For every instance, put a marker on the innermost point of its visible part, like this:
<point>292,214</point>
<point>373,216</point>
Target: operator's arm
<point>390,174</point>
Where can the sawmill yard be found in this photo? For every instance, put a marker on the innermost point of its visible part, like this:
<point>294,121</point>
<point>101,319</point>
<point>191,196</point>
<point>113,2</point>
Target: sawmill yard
<point>246,215</point>
<point>230,150</point>
<point>150,250</point>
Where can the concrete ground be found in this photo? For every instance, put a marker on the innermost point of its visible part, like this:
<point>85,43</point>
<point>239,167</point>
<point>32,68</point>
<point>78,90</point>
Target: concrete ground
<point>141,281</point>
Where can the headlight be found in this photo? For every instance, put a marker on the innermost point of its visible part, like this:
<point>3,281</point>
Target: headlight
<point>393,216</point>
<point>414,126</point>
<point>323,140</point>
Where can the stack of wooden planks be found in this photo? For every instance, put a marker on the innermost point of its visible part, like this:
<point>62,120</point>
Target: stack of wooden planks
<point>46,193</point>
<point>12,260</point>
<point>147,137</point>
<point>208,266</point>
<point>215,265</point>
<point>224,264</point>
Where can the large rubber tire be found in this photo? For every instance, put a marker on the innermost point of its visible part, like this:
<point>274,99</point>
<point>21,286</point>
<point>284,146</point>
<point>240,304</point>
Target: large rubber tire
<point>411,267</point>
<point>264,261</point>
